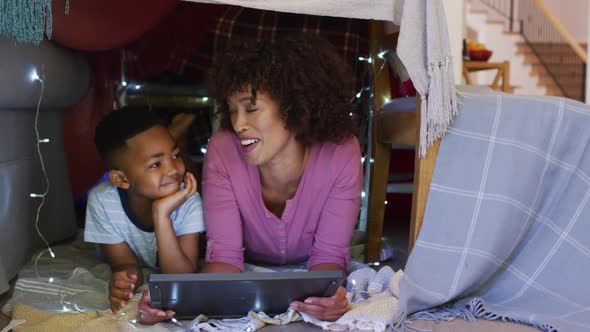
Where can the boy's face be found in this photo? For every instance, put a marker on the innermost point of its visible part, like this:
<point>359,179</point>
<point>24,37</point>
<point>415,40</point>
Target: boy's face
<point>151,165</point>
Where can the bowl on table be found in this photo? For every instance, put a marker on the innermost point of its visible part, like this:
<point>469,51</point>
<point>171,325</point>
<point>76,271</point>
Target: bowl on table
<point>480,55</point>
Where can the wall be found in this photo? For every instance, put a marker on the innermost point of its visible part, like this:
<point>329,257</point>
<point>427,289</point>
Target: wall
<point>455,13</point>
<point>573,14</point>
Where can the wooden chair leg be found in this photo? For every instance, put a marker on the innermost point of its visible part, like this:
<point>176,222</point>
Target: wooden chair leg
<point>377,201</point>
<point>381,152</point>
<point>423,169</point>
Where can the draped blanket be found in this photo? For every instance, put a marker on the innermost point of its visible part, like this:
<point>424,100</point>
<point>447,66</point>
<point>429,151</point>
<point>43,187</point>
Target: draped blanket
<point>507,224</point>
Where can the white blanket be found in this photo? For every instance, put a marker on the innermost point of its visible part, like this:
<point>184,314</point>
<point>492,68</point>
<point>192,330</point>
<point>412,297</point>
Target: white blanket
<point>365,9</point>
<point>373,296</point>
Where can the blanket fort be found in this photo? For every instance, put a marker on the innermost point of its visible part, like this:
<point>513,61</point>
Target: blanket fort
<point>423,47</point>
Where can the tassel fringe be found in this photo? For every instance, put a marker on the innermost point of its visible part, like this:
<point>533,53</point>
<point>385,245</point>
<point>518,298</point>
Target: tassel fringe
<point>438,111</point>
<point>26,21</point>
<point>470,310</point>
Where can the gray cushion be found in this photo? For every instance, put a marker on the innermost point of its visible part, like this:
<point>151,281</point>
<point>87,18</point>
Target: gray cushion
<point>67,75</point>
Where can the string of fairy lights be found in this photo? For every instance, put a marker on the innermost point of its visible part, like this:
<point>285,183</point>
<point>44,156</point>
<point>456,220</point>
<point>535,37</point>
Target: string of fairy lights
<point>35,78</point>
<point>368,166</point>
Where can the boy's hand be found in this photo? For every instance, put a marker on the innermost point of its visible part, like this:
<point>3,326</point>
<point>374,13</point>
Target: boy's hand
<point>149,315</point>
<point>163,207</point>
<point>121,289</point>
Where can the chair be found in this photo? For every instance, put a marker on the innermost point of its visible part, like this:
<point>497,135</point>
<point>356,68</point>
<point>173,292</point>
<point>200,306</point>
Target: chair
<point>393,127</point>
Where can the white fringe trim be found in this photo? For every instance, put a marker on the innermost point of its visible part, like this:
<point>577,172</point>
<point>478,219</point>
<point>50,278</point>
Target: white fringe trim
<point>438,111</point>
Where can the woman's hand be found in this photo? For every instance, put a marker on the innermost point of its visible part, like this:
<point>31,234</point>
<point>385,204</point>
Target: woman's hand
<point>149,315</point>
<point>324,308</point>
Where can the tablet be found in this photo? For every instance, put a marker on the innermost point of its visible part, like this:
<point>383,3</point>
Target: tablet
<point>227,295</point>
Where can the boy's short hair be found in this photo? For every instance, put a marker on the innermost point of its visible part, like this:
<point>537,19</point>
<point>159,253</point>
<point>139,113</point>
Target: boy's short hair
<point>113,131</point>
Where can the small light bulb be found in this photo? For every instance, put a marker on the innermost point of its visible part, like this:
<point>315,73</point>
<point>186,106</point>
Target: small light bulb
<point>177,323</point>
<point>386,202</point>
<point>358,95</point>
<point>51,253</point>
<point>362,159</point>
<point>35,195</point>
<point>51,280</point>
<point>34,76</point>
<point>137,86</point>
<point>124,83</point>
<point>382,54</point>
<point>363,194</point>
<point>45,140</point>
<point>203,150</point>
<point>372,160</point>
<point>350,114</point>
<point>205,99</point>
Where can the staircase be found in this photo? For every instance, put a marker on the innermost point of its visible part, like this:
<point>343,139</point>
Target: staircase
<point>566,67</point>
<point>484,25</point>
<point>542,61</point>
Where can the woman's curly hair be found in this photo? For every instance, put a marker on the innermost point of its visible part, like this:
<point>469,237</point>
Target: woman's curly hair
<point>304,74</point>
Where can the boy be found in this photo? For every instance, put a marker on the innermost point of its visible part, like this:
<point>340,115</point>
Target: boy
<point>143,216</point>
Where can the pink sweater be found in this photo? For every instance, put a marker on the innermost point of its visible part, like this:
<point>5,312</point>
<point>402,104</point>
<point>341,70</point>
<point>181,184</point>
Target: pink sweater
<point>316,225</point>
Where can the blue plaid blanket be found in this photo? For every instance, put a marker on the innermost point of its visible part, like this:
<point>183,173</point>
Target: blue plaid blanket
<point>506,233</point>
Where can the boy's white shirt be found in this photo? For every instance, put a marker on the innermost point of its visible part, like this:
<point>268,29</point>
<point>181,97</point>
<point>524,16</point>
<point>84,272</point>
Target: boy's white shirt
<point>107,222</point>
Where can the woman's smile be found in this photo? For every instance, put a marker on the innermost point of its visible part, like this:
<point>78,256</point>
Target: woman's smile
<point>248,143</point>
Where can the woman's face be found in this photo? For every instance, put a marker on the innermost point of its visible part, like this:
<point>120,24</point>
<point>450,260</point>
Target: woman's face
<point>259,126</point>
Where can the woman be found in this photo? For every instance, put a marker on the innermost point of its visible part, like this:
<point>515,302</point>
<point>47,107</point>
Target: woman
<point>282,180</point>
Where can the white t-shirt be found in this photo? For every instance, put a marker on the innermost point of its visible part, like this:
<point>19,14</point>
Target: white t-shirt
<point>109,221</point>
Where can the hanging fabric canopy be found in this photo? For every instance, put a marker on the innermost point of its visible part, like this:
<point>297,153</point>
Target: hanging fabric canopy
<point>106,24</point>
<point>423,47</point>
<point>423,43</point>
<point>383,10</point>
